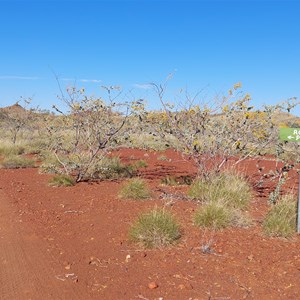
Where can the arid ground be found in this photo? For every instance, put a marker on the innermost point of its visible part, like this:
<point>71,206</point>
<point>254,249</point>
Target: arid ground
<point>72,242</point>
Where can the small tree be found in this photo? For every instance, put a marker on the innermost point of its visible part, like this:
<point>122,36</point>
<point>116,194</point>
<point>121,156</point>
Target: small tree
<point>82,136</point>
<point>17,118</point>
<point>212,132</point>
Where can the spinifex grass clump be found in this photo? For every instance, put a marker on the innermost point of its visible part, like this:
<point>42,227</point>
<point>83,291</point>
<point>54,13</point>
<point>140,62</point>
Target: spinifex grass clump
<point>169,180</point>
<point>136,189</point>
<point>111,168</point>
<point>62,180</point>
<point>8,150</point>
<point>281,219</point>
<point>214,215</point>
<point>154,229</point>
<point>223,197</point>
<point>140,164</point>
<point>231,188</point>
<point>17,162</point>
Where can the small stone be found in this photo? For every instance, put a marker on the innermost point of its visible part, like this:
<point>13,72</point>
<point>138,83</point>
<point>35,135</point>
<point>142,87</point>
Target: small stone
<point>152,285</point>
<point>127,258</point>
<point>250,257</point>
<point>186,286</point>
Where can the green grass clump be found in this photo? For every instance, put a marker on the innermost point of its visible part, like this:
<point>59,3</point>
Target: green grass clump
<point>281,219</point>
<point>224,197</point>
<point>50,164</point>
<point>155,229</point>
<point>136,189</point>
<point>228,187</point>
<point>214,215</point>
<point>17,162</point>
<point>110,168</point>
<point>62,180</point>
<point>169,180</point>
<point>162,158</point>
<point>8,150</point>
<point>140,164</point>
<point>176,180</point>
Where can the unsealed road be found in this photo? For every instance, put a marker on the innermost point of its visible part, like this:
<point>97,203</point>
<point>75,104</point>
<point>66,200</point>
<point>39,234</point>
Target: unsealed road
<point>27,270</point>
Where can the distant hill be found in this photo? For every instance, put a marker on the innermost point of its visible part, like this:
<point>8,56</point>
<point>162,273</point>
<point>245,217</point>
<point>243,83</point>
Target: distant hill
<point>13,109</point>
<point>281,119</point>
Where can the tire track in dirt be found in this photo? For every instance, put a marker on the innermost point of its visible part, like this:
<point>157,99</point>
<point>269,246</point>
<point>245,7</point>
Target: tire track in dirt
<point>27,270</point>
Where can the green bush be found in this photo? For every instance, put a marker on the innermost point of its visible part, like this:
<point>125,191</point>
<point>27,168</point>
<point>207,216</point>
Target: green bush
<point>214,215</point>
<point>162,158</point>
<point>281,219</point>
<point>17,162</point>
<point>111,168</point>
<point>155,229</point>
<point>136,189</point>
<point>228,187</point>
<point>62,180</point>
<point>140,164</point>
<point>8,150</point>
<point>169,180</point>
<point>50,164</point>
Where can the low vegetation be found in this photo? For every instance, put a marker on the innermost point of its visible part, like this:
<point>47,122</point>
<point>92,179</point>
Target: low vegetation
<point>282,217</point>
<point>135,189</point>
<point>214,215</point>
<point>154,229</point>
<point>6,150</point>
<point>230,188</point>
<point>224,197</point>
<point>111,168</point>
<point>17,162</point>
<point>62,180</point>
<point>76,141</point>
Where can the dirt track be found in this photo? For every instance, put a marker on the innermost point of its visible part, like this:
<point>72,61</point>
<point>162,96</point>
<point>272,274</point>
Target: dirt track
<point>27,269</point>
<point>48,233</point>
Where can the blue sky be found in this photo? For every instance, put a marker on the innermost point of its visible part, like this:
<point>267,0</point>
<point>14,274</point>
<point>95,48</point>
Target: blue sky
<point>209,44</point>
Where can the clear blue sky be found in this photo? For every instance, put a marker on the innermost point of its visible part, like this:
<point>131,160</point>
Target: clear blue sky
<point>210,44</point>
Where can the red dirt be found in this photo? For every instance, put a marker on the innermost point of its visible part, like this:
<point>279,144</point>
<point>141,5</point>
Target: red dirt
<point>71,243</point>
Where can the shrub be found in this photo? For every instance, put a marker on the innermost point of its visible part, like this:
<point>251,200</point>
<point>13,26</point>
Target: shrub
<point>228,187</point>
<point>155,229</point>
<point>89,129</point>
<point>281,219</point>
<point>135,188</point>
<point>111,168</point>
<point>140,164</point>
<point>49,164</point>
<point>62,180</point>
<point>177,180</point>
<point>169,180</point>
<point>215,215</point>
<point>162,158</point>
<point>17,162</point>
<point>7,150</point>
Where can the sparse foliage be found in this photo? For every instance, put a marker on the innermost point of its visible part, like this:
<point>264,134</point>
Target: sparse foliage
<point>82,136</point>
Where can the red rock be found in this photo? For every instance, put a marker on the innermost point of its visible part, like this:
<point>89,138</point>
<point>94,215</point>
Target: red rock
<point>152,285</point>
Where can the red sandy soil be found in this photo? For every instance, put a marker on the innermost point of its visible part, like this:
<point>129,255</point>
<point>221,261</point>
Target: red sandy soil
<point>72,242</point>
